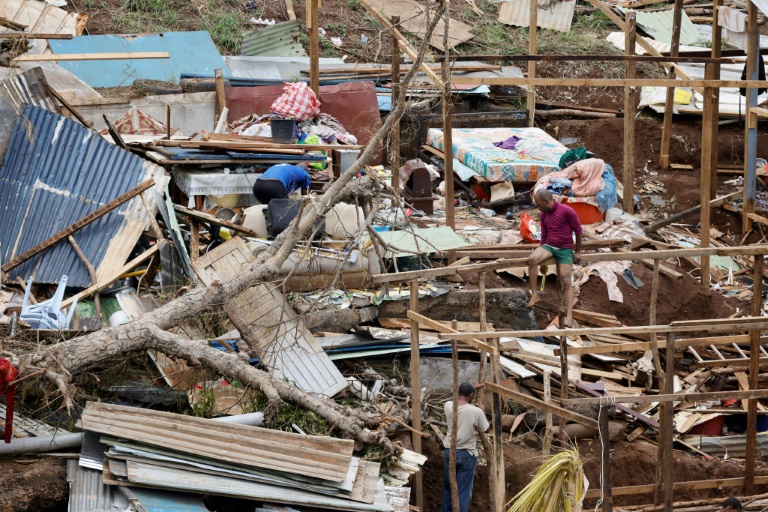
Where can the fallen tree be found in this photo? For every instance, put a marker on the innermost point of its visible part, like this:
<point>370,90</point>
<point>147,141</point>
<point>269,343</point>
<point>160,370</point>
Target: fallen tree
<point>58,363</point>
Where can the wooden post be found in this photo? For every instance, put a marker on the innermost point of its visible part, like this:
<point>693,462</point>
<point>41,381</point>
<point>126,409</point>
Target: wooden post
<point>91,273</point>
<point>415,390</point>
<point>547,444</point>
<point>314,47</point>
<point>532,33</point>
<point>450,219</point>
<point>654,300</point>
<point>168,122</point>
<point>630,104</point>
<point>717,37</point>
<point>666,435</point>
<point>221,97</point>
<point>498,465</point>
<point>483,327</point>
<point>289,8</point>
<point>706,170</point>
<point>454,427</point>
<point>605,483</point>
<point>754,374</point>
<point>750,157</point>
<point>394,151</point>
<point>666,132</point>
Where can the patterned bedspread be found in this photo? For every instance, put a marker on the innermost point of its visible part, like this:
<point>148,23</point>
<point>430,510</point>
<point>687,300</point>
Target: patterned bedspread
<point>474,148</point>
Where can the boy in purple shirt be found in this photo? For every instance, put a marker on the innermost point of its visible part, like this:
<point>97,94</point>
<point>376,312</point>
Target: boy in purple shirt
<point>558,224</point>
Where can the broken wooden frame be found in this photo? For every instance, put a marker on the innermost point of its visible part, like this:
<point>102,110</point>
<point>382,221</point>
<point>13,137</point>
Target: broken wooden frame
<point>753,325</point>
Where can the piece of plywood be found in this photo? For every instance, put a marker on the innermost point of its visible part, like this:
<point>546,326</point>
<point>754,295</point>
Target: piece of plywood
<point>269,324</point>
<point>414,20</point>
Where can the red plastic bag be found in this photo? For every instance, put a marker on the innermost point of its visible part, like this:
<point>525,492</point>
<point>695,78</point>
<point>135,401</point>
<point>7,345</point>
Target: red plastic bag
<point>298,101</point>
<point>529,229</point>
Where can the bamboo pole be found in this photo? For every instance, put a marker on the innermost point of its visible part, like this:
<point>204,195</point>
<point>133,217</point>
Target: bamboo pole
<point>416,391</point>
<point>630,104</point>
<point>666,133</point>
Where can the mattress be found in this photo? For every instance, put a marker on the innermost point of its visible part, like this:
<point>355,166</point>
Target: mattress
<point>474,148</point>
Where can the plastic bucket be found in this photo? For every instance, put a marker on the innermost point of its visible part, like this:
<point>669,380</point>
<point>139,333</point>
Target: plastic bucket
<point>612,214</point>
<point>282,130</point>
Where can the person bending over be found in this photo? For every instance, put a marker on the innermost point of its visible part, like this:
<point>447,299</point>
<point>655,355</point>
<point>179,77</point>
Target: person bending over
<point>280,181</point>
<point>558,225</point>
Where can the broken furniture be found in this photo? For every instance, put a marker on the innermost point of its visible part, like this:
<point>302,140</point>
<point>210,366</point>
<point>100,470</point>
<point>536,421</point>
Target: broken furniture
<point>47,314</point>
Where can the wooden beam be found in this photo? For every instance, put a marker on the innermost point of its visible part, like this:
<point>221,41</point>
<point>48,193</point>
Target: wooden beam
<point>648,345</point>
<point>754,375</point>
<point>221,97</point>
<point>394,151</point>
<point>630,104</point>
<point>66,105</point>
<point>532,36</point>
<point>604,432</point>
<point>666,130</point>
<point>541,405</point>
<point>690,211</point>
<point>205,217</point>
<point>750,135</point>
<point>678,486</point>
<point>416,386</point>
<point>450,215</point>
<point>597,58</point>
<point>33,35</point>
<point>220,140</point>
<point>74,227</point>
<point>690,398</point>
<point>138,260</point>
<point>717,43</point>
<point>91,56</point>
<point>705,175</point>
<point>715,326</point>
<point>607,82</point>
<point>314,46</point>
<point>289,10</point>
<point>482,346</point>
<point>404,44</point>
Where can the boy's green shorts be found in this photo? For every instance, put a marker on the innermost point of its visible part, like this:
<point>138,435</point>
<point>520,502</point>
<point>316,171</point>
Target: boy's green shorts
<point>564,256</point>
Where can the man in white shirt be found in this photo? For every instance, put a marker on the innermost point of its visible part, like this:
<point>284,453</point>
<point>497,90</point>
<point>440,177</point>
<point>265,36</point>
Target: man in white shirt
<point>471,421</point>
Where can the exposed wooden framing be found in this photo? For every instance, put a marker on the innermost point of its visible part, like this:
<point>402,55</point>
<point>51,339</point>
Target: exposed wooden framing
<point>666,130</point>
<point>74,227</point>
<point>717,44</point>
<point>750,148</point>
<point>450,216</point>
<point>717,325</point>
<point>690,211</point>
<point>605,481</point>
<point>91,56</point>
<point>205,217</point>
<point>630,104</point>
<point>91,272</point>
<point>483,355</point>
<point>442,328</point>
<point>646,345</point>
<point>394,151</point>
<point>454,430</point>
<point>754,374</point>
<point>384,71</point>
<point>607,82</point>
<point>535,402</point>
<point>547,441</point>
<point>674,397</point>
<point>532,35</point>
<point>138,260</point>
<point>600,58</point>
<point>666,435</point>
<point>416,391</point>
<point>289,9</point>
<point>314,46</point>
<point>678,486</point>
<point>66,105</point>
<point>404,44</point>
<point>498,465</point>
<point>639,416</point>
<point>221,97</point>
<point>706,171</point>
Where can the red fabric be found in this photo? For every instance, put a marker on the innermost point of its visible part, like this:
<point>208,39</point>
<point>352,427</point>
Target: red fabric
<point>558,227</point>
<point>7,375</point>
<point>298,101</point>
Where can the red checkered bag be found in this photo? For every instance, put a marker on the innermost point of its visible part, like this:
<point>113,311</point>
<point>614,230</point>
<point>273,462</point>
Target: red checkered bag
<point>298,101</point>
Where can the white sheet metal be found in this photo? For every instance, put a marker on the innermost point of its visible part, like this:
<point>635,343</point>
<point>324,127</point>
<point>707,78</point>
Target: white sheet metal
<point>555,15</point>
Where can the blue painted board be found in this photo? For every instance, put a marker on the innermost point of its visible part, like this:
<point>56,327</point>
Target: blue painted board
<point>190,52</point>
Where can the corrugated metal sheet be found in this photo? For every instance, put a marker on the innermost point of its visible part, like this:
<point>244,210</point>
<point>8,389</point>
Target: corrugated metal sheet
<point>279,40</point>
<point>190,52</point>
<point>152,500</point>
<point>733,447</point>
<point>422,241</point>
<point>17,91</point>
<point>557,16</point>
<point>658,24</point>
<point>56,172</point>
<point>87,492</point>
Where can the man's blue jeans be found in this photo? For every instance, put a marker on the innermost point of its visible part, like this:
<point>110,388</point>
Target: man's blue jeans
<point>465,477</point>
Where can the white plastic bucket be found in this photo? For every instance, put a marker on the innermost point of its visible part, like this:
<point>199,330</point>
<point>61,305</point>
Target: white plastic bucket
<point>612,214</point>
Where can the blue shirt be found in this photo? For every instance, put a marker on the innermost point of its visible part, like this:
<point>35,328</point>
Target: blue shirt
<point>292,176</point>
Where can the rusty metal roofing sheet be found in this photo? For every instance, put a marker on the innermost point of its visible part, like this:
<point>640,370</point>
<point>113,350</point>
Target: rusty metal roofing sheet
<point>17,91</point>
<point>558,16</point>
<point>279,40</point>
<point>55,172</point>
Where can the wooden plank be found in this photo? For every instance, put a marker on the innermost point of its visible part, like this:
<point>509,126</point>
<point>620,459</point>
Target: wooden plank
<point>754,376</point>
<point>205,217</point>
<point>437,326</point>
<point>394,151</point>
<point>705,177</point>
<point>666,130</point>
<point>647,345</point>
<point>403,70</point>
<point>69,107</point>
<point>289,9</point>
<point>674,397</point>
<point>91,56</point>
<point>450,212</point>
<point>660,58</point>
<point>607,82</point>
<point>541,405</point>
<point>416,385</point>
<point>630,104</point>
<point>314,46</point>
<point>33,35</point>
<point>221,98</point>
<point>404,323</point>
<point>605,480</point>
<point>138,260</point>
<point>77,225</point>
<point>678,486</point>
<point>750,129</point>
<point>532,35</point>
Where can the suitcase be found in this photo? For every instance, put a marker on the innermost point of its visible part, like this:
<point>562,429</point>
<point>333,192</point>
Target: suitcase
<point>281,213</point>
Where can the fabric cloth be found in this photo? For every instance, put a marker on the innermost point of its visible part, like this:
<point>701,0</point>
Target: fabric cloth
<point>607,197</point>
<point>136,122</point>
<point>466,463</point>
<point>558,227</point>
<point>572,156</point>
<point>267,189</point>
<point>292,176</point>
<point>563,256</point>
<point>587,176</point>
<point>298,100</point>
<point>732,19</point>
<point>471,420</point>
<point>509,143</point>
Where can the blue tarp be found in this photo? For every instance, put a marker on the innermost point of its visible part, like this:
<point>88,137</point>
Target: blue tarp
<point>190,52</point>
